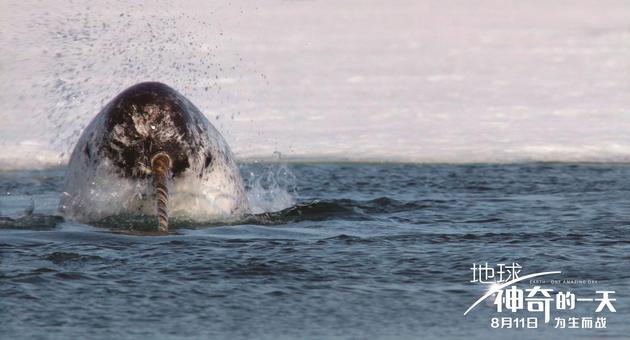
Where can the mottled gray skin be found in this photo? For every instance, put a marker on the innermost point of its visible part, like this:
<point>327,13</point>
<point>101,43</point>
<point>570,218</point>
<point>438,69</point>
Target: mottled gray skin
<point>109,170</point>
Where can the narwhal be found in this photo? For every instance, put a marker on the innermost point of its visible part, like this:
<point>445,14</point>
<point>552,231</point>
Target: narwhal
<point>151,152</point>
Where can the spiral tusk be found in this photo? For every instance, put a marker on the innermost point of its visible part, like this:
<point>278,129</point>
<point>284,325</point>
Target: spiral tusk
<point>161,167</point>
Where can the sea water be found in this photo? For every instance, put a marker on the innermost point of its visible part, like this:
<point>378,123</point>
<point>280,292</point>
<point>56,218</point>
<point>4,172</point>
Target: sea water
<point>360,251</point>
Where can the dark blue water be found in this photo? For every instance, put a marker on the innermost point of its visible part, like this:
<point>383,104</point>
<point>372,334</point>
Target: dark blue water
<point>367,251</point>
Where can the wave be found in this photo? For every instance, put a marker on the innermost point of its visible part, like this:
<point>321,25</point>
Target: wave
<point>346,209</point>
<point>31,222</point>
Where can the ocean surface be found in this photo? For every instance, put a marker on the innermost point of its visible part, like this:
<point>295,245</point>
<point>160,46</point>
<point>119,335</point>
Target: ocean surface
<point>355,251</point>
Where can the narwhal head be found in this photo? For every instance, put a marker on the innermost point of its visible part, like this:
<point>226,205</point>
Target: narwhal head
<point>152,132</point>
<point>150,119</point>
<point>147,140</point>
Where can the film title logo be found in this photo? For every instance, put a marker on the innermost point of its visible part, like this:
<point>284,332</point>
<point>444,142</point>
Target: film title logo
<point>539,304</point>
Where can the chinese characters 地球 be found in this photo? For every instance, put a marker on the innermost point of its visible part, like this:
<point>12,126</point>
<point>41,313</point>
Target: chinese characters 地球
<point>500,273</point>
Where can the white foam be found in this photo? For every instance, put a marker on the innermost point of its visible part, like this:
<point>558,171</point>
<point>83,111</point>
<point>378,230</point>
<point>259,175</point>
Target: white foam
<point>427,81</point>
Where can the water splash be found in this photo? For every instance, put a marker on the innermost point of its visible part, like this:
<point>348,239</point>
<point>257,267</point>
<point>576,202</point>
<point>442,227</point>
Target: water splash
<point>79,57</point>
<point>270,187</point>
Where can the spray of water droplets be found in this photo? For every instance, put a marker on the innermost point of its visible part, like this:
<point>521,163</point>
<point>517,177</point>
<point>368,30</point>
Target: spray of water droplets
<point>67,62</point>
<point>71,60</point>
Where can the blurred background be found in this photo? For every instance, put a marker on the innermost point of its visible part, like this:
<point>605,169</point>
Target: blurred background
<point>401,81</point>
